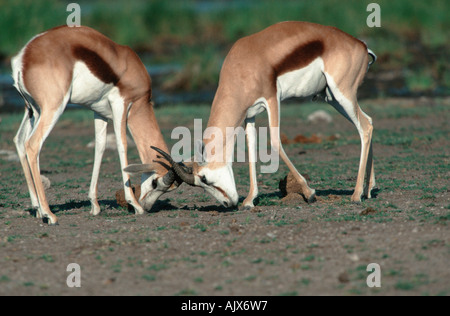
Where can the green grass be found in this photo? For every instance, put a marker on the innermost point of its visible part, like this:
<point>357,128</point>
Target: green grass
<point>407,139</point>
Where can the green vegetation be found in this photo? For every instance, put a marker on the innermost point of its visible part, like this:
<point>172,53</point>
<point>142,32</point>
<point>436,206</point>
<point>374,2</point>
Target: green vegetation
<point>198,34</point>
<point>150,24</point>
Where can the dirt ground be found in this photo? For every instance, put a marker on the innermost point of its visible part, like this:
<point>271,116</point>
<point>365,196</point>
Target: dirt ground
<point>188,245</point>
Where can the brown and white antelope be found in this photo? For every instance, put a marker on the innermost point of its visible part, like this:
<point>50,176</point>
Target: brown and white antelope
<point>289,59</point>
<point>82,66</point>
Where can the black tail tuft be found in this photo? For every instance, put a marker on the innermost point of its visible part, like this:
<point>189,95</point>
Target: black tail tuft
<point>374,57</point>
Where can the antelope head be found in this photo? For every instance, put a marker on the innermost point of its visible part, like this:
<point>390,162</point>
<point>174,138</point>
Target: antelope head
<point>215,178</point>
<point>157,178</point>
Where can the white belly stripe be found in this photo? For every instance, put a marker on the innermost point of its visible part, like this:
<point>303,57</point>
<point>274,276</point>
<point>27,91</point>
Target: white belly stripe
<point>303,82</point>
<point>88,90</point>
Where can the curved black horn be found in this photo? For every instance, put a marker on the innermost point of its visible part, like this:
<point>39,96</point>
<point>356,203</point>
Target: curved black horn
<point>163,164</point>
<point>169,178</point>
<point>179,169</point>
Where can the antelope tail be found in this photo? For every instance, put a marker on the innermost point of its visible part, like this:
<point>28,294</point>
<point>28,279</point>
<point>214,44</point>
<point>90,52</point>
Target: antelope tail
<point>372,54</point>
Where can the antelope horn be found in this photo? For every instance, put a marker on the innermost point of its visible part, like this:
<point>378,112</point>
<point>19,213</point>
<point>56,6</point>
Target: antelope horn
<point>169,177</point>
<point>181,170</point>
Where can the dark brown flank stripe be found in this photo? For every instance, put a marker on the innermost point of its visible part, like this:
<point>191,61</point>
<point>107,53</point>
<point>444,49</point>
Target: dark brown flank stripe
<point>96,64</point>
<point>300,57</point>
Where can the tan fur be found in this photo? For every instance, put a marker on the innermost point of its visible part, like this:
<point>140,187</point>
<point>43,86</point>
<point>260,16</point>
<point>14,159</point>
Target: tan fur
<point>250,72</point>
<point>47,70</point>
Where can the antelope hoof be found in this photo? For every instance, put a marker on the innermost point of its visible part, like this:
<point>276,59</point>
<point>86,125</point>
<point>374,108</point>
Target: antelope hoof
<point>95,210</point>
<point>368,193</point>
<point>248,204</point>
<point>312,198</point>
<point>356,199</point>
<point>247,207</point>
<point>139,211</point>
<point>52,221</point>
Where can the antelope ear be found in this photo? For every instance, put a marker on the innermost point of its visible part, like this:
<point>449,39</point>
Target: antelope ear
<point>139,168</point>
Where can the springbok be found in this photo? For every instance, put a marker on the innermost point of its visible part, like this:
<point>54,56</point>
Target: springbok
<point>82,66</point>
<point>289,59</point>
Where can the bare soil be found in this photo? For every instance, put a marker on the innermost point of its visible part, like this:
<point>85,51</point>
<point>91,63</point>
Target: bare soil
<point>188,245</point>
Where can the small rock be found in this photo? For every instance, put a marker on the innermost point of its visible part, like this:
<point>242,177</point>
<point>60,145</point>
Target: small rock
<point>332,199</point>
<point>109,281</point>
<point>235,228</point>
<point>320,116</point>
<point>111,142</point>
<point>343,277</point>
<point>9,155</point>
<point>354,257</point>
<point>369,211</point>
<point>256,209</point>
<point>334,137</point>
<point>284,139</point>
<point>313,139</point>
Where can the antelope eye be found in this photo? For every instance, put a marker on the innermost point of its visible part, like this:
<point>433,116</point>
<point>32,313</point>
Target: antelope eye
<point>203,179</point>
<point>154,183</point>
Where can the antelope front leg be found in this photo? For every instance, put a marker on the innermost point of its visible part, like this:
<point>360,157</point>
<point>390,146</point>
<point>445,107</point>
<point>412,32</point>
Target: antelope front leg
<point>251,144</point>
<point>101,125</point>
<point>120,123</point>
